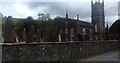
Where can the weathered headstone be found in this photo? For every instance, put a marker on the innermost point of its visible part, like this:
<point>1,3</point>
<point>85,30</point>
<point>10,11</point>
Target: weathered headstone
<point>46,37</point>
<point>17,39</point>
<point>24,35</point>
<point>9,32</point>
<point>37,36</point>
<point>30,34</point>
<point>29,30</point>
<point>63,36</point>
<point>71,34</point>
<point>59,36</point>
<point>66,34</point>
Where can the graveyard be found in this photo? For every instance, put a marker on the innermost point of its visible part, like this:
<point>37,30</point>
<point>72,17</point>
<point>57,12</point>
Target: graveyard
<point>15,30</point>
<point>32,48</point>
<point>19,27</point>
<point>57,39</point>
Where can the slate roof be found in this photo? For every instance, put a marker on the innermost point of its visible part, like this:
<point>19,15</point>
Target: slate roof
<point>115,28</point>
<point>73,21</point>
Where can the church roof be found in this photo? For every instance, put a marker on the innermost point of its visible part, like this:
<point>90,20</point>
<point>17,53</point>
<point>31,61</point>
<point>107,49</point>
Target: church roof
<point>73,21</point>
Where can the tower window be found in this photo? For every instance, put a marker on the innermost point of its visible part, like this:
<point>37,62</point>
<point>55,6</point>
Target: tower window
<point>95,27</point>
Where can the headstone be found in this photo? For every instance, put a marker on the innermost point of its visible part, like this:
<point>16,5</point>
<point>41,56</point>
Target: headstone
<point>90,34</point>
<point>9,36</point>
<point>63,35</point>
<point>59,37</point>
<point>46,37</point>
<point>37,36</point>
<point>80,37</point>
<point>30,34</point>
<point>71,34</point>
<point>29,30</point>
<point>24,35</point>
<point>17,39</point>
<point>66,34</point>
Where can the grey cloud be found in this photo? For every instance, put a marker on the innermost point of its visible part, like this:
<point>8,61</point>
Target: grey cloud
<point>59,8</point>
<point>111,9</point>
<point>83,9</point>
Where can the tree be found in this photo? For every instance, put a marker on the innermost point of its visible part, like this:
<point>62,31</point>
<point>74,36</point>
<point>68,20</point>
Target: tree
<point>43,17</point>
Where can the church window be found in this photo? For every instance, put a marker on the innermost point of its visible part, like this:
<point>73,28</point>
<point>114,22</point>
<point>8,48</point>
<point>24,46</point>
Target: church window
<point>90,34</point>
<point>84,31</point>
<point>95,27</point>
<point>66,30</point>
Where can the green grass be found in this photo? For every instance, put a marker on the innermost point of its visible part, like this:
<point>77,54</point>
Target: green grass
<point>20,43</point>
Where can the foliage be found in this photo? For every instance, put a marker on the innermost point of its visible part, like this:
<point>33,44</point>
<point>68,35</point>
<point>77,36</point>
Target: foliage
<point>48,26</point>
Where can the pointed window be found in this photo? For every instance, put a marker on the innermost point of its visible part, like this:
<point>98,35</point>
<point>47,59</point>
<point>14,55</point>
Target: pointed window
<point>84,31</point>
<point>95,27</point>
<point>90,34</point>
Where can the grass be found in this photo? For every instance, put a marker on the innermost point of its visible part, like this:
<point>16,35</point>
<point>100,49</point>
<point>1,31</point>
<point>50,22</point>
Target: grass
<point>20,43</point>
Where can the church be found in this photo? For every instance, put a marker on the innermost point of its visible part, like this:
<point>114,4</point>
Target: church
<point>78,30</point>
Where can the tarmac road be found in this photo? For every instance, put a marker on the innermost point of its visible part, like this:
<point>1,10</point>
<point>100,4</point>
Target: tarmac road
<point>110,56</point>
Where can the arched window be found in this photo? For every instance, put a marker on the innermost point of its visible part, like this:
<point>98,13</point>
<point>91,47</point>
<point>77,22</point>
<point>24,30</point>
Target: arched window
<point>72,34</point>
<point>90,34</point>
<point>95,27</point>
<point>84,31</point>
<point>66,31</point>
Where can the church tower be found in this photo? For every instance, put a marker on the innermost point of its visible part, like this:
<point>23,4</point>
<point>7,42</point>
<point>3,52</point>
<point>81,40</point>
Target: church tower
<point>98,19</point>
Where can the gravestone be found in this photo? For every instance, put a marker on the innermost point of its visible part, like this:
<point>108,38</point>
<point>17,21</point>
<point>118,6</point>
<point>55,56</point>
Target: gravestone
<point>71,34</point>
<point>30,34</point>
<point>37,36</point>
<point>29,30</point>
<point>24,35</point>
<point>63,36</point>
<point>59,36</point>
<point>9,36</point>
<point>46,37</point>
<point>66,34</point>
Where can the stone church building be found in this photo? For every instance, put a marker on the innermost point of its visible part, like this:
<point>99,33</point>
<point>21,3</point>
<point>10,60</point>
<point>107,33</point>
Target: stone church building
<point>77,30</point>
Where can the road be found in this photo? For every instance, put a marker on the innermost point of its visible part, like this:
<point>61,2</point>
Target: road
<point>0,44</point>
<point>0,53</point>
<point>111,56</point>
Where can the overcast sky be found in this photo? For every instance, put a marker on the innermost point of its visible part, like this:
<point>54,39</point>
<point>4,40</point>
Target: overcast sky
<point>25,8</point>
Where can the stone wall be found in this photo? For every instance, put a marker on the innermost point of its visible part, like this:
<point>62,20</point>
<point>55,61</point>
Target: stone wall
<point>55,51</point>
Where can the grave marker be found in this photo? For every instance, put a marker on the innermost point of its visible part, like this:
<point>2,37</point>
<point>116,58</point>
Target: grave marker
<point>9,31</point>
